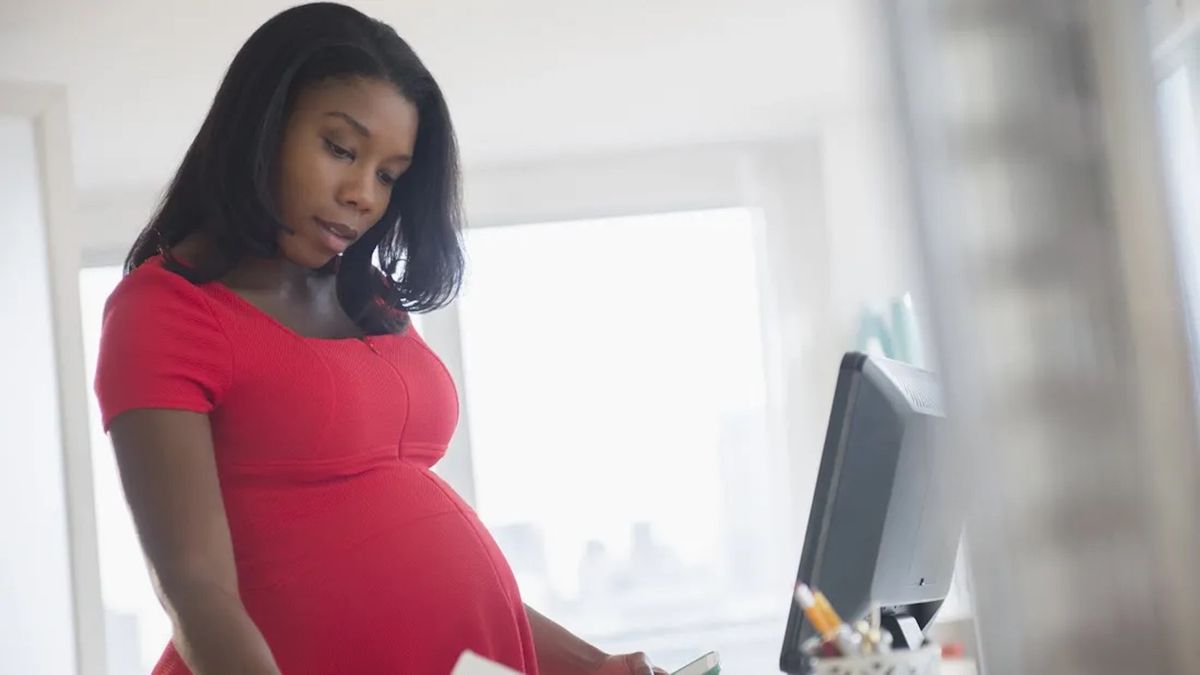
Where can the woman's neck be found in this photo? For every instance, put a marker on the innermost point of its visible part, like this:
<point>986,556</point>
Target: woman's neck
<point>276,275</point>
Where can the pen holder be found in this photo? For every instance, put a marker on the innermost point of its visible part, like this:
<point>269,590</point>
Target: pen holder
<point>924,661</point>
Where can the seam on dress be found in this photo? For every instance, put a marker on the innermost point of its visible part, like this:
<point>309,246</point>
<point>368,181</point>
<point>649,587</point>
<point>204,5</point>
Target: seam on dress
<point>332,384</point>
<point>407,397</point>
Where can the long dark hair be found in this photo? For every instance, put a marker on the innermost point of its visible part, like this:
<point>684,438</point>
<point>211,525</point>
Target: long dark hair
<point>223,187</point>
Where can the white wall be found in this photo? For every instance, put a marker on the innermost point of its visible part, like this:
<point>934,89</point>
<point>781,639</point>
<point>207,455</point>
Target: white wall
<point>37,624</point>
<point>534,79</point>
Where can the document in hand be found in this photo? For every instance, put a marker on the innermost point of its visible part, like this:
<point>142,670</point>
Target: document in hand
<point>471,663</point>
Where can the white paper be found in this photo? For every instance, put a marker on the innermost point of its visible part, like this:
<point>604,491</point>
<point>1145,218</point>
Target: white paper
<point>471,663</point>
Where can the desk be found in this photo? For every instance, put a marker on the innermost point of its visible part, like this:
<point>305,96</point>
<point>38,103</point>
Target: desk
<point>958,667</point>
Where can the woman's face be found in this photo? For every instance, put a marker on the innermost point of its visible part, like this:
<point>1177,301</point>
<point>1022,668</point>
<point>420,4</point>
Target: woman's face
<point>344,145</point>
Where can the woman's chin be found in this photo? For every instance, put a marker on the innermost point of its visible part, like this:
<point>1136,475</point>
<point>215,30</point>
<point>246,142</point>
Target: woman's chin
<point>309,250</point>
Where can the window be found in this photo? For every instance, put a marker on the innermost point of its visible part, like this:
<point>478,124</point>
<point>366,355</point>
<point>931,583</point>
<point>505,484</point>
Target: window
<point>615,394</point>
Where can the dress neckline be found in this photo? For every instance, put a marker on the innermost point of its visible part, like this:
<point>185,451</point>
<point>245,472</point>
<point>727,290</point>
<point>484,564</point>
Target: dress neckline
<point>258,311</point>
<point>255,310</point>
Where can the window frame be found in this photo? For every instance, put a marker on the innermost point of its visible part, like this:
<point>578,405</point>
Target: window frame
<point>45,105</point>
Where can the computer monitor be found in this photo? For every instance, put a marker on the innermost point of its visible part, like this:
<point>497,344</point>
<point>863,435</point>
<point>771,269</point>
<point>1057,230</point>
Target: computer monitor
<point>887,511</point>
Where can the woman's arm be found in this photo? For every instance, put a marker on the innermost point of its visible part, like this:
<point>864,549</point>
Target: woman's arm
<point>169,475</point>
<point>560,652</point>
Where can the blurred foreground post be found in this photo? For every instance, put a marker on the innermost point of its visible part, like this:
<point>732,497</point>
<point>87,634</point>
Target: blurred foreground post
<point>1037,190</point>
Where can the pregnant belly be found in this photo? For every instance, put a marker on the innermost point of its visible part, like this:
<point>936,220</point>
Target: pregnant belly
<point>386,570</point>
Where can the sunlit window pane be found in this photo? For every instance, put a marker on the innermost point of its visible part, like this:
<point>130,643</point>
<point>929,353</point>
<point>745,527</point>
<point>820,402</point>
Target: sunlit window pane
<point>616,401</point>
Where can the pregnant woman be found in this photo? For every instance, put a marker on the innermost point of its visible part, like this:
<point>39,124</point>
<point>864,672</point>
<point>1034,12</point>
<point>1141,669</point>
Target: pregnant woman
<point>274,414</point>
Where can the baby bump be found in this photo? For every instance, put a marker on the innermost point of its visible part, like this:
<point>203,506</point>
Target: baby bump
<point>289,522</point>
<point>405,603</point>
<point>386,562</point>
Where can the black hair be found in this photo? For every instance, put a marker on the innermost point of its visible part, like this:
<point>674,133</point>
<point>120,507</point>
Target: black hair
<point>223,186</point>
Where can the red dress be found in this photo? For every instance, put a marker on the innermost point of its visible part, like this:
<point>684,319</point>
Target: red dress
<point>353,557</point>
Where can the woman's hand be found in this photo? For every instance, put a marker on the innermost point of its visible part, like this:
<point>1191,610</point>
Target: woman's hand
<point>561,653</point>
<point>636,663</point>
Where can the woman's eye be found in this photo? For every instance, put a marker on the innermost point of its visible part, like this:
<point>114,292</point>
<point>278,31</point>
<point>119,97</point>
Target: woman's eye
<point>386,178</point>
<point>338,151</point>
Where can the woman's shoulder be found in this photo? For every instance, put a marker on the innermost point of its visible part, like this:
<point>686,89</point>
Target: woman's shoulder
<point>161,345</point>
<point>153,289</point>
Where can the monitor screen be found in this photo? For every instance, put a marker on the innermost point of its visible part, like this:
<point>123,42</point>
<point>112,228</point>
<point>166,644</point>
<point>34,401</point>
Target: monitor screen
<point>887,510</point>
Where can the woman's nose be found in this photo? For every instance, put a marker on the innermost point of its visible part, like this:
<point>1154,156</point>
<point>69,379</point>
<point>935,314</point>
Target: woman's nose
<point>358,191</point>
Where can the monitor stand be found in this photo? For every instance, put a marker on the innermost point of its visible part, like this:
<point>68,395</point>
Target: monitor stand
<point>907,623</point>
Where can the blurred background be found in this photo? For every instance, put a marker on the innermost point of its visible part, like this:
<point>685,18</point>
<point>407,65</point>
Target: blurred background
<point>680,215</point>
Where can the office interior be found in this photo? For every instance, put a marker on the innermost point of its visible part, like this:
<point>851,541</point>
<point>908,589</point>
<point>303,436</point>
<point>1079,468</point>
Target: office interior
<point>680,215</point>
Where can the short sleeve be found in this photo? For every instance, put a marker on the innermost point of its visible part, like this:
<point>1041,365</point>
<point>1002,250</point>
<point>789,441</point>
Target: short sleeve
<point>160,347</point>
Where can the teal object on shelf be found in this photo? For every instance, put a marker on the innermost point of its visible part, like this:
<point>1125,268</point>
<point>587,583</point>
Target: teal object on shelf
<point>895,337</point>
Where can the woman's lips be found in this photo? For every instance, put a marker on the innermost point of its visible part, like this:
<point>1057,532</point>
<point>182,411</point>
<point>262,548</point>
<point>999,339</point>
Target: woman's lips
<point>336,235</point>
